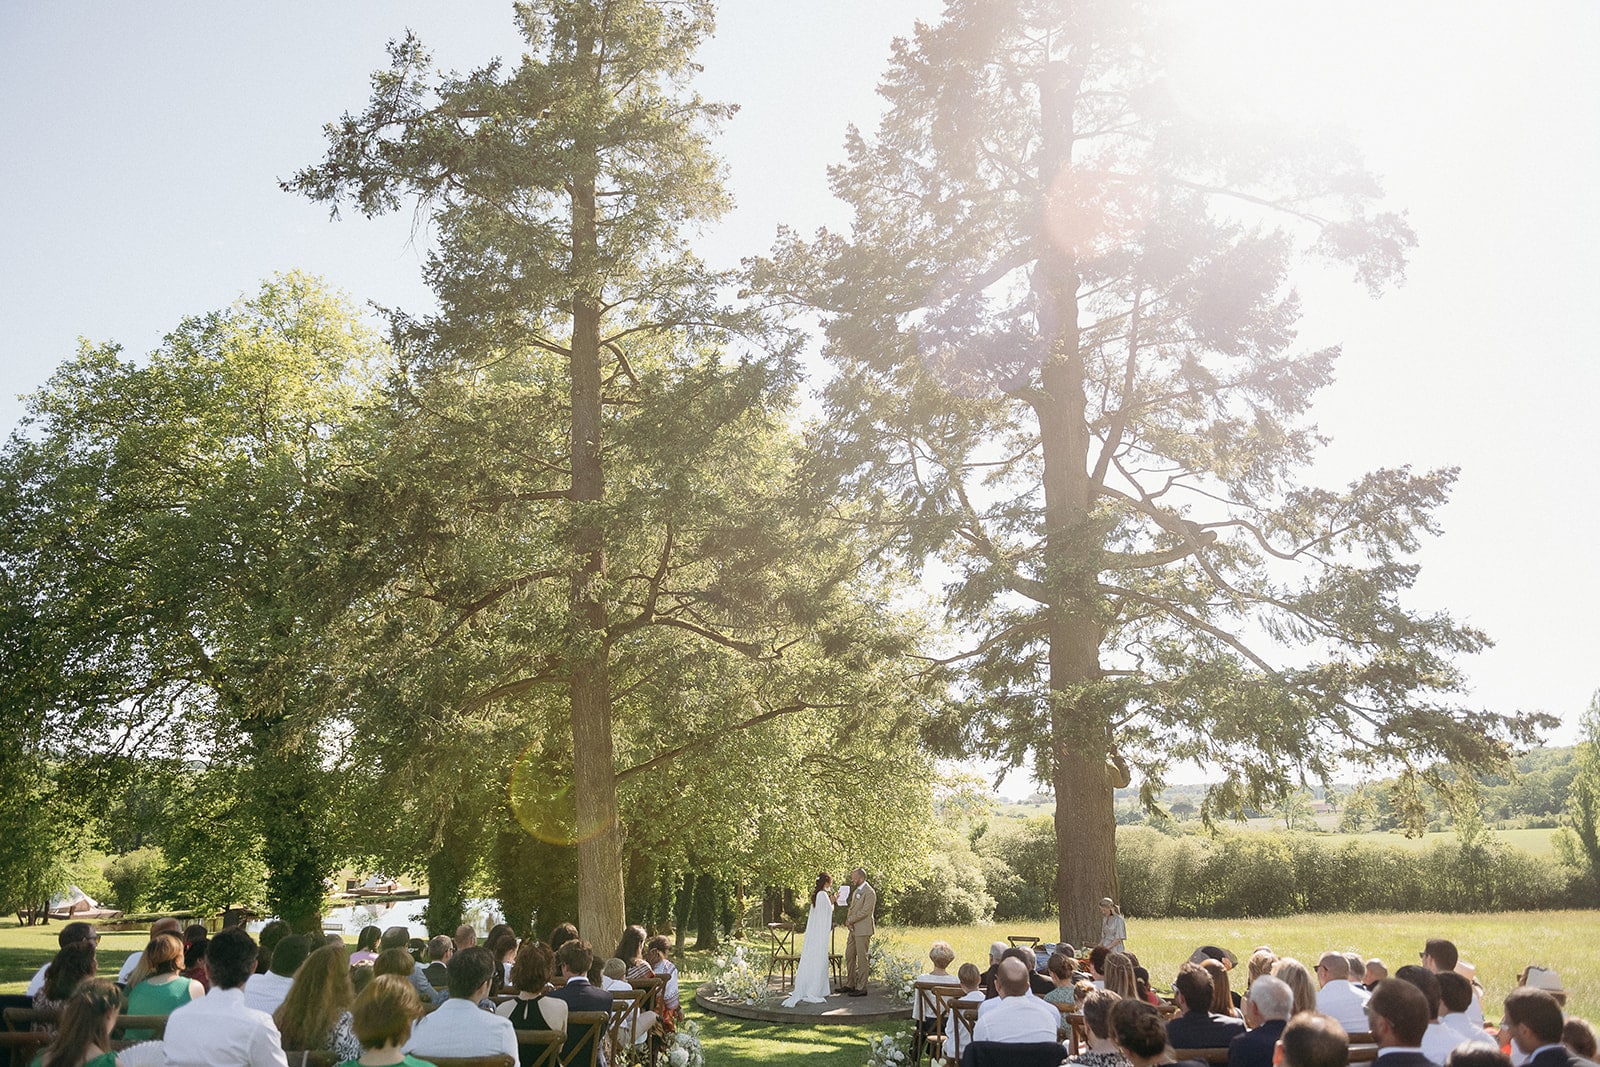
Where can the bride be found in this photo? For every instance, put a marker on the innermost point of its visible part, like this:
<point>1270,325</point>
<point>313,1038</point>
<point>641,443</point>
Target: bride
<point>811,983</point>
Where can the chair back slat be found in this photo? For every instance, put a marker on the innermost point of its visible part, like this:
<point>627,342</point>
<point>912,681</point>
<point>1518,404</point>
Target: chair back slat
<point>498,1060</point>
<point>963,1017</point>
<point>591,1027</point>
<point>548,1042</point>
<point>1205,1055</point>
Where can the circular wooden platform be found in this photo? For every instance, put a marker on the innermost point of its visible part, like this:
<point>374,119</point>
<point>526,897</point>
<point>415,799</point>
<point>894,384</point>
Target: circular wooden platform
<point>875,1007</point>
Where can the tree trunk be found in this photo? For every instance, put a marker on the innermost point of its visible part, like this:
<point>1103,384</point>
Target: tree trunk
<point>600,890</point>
<point>705,914</point>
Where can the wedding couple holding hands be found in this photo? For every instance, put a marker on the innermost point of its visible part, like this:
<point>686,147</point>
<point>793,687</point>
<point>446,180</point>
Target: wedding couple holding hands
<point>811,982</point>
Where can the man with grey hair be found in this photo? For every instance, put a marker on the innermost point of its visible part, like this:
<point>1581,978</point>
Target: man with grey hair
<point>1267,1007</point>
<point>1338,996</point>
<point>997,951</point>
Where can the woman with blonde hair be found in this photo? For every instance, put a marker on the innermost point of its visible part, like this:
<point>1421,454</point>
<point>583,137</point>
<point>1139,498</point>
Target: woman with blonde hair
<point>1120,978</point>
<point>84,1039</point>
<point>1113,927</point>
<point>163,988</point>
<point>316,1013</point>
<point>1299,979</point>
<point>1260,963</point>
<point>382,1018</point>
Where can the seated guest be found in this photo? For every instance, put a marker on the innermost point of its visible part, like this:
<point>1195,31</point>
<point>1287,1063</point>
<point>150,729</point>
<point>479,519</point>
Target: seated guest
<point>164,988</point>
<point>366,947</point>
<point>1313,1039</point>
<point>1118,976</point>
<point>971,982</point>
<point>73,964</point>
<point>84,1037</point>
<point>576,991</point>
<point>1136,1028</point>
<point>1455,999</point>
<point>1534,1024</point>
<point>1038,984</point>
<point>219,1029</point>
<point>655,954</point>
<point>1196,1025</point>
<point>997,952</point>
<point>317,1014</point>
<point>1260,963</point>
<point>1141,982</point>
<point>382,1019</point>
<point>1478,1054</point>
<point>440,949</point>
<point>1439,955</point>
<point>1101,1050</point>
<point>613,979</point>
<point>941,955</point>
<point>266,991</point>
<point>630,950</point>
<point>271,934</point>
<point>399,937</point>
<point>1267,1007</point>
<point>458,1027</point>
<point>1060,971</point>
<point>1397,1015</point>
<point>534,1009</point>
<point>69,934</point>
<point>502,946</point>
<point>1579,1037</point>
<point>563,933</point>
<point>130,975</point>
<point>465,937</point>
<point>1338,997</point>
<point>1372,974</point>
<point>194,954</point>
<point>1097,966</point>
<point>1295,973</point>
<point>1438,1039</point>
<point>1221,989</point>
<point>1015,1017</point>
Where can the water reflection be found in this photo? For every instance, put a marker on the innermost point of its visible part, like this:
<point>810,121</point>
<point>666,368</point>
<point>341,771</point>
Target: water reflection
<point>348,919</point>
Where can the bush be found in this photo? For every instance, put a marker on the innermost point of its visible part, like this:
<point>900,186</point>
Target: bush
<point>953,892</point>
<point>1019,864</point>
<point>135,878</point>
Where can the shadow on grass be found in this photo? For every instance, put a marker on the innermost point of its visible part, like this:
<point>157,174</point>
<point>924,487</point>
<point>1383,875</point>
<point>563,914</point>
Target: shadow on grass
<point>728,1041</point>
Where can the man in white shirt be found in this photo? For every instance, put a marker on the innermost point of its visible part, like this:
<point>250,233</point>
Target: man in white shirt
<point>1016,1017</point>
<point>265,991</point>
<point>1338,996</point>
<point>69,934</point>
<point>219,1030</point>
<point>1455,997</point>
<point>1439,955</point>
<point>458,1027</point>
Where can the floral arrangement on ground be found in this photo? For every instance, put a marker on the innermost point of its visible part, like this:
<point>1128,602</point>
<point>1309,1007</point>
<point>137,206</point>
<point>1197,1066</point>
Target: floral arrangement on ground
<point>736,976</point>
<point>897,973</point>
<point>889,1050</point>
<point>685,1051</point>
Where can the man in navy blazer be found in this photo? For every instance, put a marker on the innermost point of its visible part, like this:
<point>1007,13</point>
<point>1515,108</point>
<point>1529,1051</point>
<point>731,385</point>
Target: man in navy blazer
<point>1312,1039</point>
<point>1197,1026</point>
<point>1534,1021</point>
<point>575,958</point>
<point>1267,1007</point>
<point>1399,1015</point>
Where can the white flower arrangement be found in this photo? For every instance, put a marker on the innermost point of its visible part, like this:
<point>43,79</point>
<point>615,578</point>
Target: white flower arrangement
<point>685,1049</point>
<point>898,973</point>
<point>737,977</point>
<point>889,1050</point>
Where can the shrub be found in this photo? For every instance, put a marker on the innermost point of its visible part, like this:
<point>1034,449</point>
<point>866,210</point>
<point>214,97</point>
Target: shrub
<point>134,878</point>
<point>953,892</point>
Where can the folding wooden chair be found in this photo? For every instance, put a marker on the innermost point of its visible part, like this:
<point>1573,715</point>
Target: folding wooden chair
<point>19,1047</point>
<point>1080,1031</point>
<point>623,1032</point>
<point>548,1042</point>
<point>1021,940</point>
<point>654,989</point>
<point>501,1060</point>
<point>21,1020</point>
<point>962,1018</point>
<point>781,957</point>
<point>1205,1055</point>
<point>936,1019</point>
<point>155,1024</point>
<point>589,1029</point>
<point>313,1057</point>
<point>1365,1052</point>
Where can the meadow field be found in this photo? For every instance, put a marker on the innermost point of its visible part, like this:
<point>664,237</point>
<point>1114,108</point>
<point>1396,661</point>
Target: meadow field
<point>1500,944</point>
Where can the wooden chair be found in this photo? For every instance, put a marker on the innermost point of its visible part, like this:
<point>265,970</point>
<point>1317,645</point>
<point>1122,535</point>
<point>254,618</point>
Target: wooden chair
<point>312,1057</point>
<point>936,1018</point>
<point>781,956</point>
<point>18,1048</point>
<point>926,1009</point>
<point>1079,1029</point>
<point>20,1019</point>
<point>501,1060</point>
<point>589,1028</point>
<point>624,1029</point>
<point>654,989</point>
<point>1021,940</point>
<point>1360,1037</point>
<point>963,1016</point>
<point>1364,1052</point>
<point>548,1042</point>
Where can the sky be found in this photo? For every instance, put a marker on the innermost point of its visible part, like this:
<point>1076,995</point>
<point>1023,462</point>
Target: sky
<point>142,145</point>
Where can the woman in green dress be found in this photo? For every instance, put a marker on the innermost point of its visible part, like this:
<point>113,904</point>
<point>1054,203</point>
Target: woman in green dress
<point>163,988</point>
<point>84,1037</point>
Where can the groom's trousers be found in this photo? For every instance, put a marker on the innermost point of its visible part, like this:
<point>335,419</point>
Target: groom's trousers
<point>855,960</point>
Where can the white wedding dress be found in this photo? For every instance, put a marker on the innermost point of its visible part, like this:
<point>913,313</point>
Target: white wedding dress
<point>811,981</point>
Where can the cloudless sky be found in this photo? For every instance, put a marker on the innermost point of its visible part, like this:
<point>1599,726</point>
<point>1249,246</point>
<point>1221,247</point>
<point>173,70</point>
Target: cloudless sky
<point>141,144</point>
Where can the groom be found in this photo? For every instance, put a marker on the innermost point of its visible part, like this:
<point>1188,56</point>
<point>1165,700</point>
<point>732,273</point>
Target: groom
<point>858,921</point>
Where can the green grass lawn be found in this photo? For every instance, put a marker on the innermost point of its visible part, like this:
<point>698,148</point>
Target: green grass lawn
<point>1500,944</point>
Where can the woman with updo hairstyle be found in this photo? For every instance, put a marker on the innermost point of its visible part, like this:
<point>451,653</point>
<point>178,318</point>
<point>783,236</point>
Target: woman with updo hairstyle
<point>1299,979</point>
<point>1138,1032</point>
<point>533,1010</point>
<point>84,1039</point>
<point>1260,963</point>
<point>164,988</point>
<point>1058,968</point>
<point>630,950</point>
<point>1119,976</point>
<point>1102,1050</point>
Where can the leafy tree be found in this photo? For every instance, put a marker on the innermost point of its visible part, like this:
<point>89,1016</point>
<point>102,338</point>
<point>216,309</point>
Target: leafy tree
<point>1063,331</point>
<point>602,544</point>
<point>182,553</point>
<point>1579,845</point>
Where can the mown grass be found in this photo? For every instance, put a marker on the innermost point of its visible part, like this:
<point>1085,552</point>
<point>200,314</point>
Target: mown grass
<point>1499,944</point>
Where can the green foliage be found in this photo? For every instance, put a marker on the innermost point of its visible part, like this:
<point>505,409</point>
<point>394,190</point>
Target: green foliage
<point>1579,845</point>
<point>135,878</point>
<point>952,891</point>
<point>1019,864</point>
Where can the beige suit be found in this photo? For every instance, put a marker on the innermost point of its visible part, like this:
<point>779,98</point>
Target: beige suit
<point>859,924</point>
